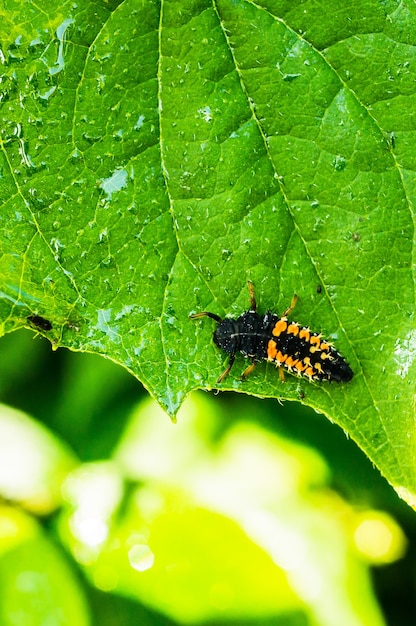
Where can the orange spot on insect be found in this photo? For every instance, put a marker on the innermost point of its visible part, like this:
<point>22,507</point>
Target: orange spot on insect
<point>271,350</point>
<point>293,328</point>
<point>324,345</point>
<point>279,327</point>
<point>281,358</point>
<point>291,362</point>
<point>305,333</point>
<point>309,372</point>
<point>315,340</point>
<point>300,366</point>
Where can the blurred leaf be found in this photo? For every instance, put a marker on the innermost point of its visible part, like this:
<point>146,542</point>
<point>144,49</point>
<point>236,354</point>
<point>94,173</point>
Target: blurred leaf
<point>36,584</point>
<point>243,526</point>
<point>33,463</point>
<point>205,566</point>
<point>154,156</point>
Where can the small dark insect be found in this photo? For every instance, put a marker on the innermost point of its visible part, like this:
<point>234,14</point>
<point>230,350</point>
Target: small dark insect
<point>319,289</point>
<point>39,322</point>
<point>280,341</point>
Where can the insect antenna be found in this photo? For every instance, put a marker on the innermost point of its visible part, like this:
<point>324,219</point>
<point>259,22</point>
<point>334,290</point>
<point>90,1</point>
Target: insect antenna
<point>215,317</point>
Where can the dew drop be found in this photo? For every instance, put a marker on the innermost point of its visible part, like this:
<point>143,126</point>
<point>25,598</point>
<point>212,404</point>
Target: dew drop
<point>339,163</point>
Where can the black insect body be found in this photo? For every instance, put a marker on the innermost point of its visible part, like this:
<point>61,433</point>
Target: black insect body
<point>276,339</point>
<point>39,322</point>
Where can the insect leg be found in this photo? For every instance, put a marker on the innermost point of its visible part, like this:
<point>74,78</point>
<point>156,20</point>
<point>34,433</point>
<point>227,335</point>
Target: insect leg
<point>248,370</point>
<point>227,370</point>
<point>292,306</point>
<point>253,303</point>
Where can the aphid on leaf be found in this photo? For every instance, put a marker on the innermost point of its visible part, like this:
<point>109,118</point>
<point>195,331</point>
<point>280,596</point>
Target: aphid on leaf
<point>39,322</point>
<point>274,338</point>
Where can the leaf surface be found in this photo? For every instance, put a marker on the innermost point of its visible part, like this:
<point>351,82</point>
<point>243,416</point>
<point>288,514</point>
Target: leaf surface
<point>157,155</point>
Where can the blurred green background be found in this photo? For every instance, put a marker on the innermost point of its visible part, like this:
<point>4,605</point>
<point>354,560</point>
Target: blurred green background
<point>245,512</point>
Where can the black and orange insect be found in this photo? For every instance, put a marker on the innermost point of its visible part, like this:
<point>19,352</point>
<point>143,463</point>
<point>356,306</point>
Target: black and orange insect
<point>276,339</point>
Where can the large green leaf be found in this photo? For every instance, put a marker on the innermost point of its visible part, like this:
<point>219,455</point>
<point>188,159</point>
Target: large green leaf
<point>156,155</point>
<point>38,585</point>
<point>219,529</point>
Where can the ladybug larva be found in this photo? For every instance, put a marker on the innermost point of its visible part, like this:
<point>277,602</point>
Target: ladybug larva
<point>274,338</point>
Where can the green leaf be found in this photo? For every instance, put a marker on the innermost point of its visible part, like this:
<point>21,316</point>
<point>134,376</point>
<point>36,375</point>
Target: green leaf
<point>216,528</point>
<point>37,585</point>
<point>156,155</point>
<point>33,462</point>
